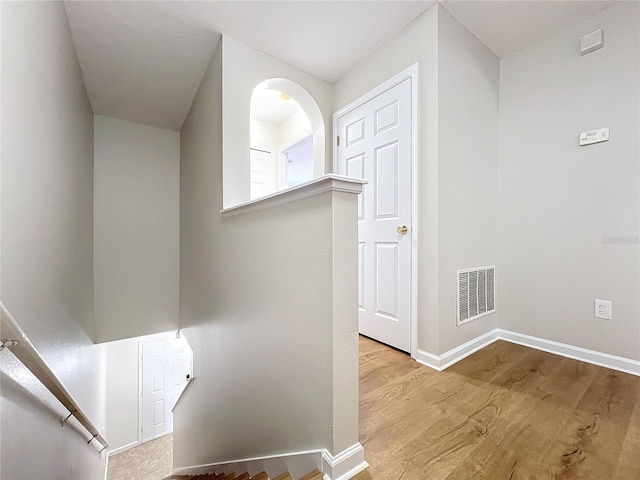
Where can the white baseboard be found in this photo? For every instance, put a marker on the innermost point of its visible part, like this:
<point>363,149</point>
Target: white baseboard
<point>345,465</point>
<point>106,465</point>
<point>613,362</point>
<point>440,362</point>
<point>124,448</point>
<point>340,467</point>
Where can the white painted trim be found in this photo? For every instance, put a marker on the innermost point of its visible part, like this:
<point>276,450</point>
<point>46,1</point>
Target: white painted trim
<point>345,465</point>
<point>106,466</point>
<point>323,184</point>
<point>184,392</point>
<point>123,448</point>
<point>412,73</point>
<point>140,342</point>
<point>415,198</point>
<point>441,362</point>
<point>614,362</point>
<point>160,435</point>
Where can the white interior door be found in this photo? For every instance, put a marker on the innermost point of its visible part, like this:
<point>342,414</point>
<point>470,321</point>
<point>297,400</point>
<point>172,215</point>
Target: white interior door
<point>375,145</point>
<point>263,172</point>
<point>165,366</point>
<point>298,162</point>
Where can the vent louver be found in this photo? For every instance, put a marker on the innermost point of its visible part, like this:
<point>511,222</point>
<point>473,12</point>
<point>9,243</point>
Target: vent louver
<point>476,293</point>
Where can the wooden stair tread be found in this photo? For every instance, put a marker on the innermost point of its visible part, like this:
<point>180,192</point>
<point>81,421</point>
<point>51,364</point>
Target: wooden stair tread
<point>315,475</point>
<point>283,476</point>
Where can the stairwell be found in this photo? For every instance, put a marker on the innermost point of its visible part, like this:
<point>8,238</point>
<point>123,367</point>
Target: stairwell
<point>314,475</point>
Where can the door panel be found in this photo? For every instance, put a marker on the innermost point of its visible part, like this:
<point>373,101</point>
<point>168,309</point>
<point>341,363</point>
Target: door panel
<point>386,118</point>
<point>386,181</point>
<point>158,413</point>
<point>165,365</point>
<point>377,148</point>
<point>386,279</point>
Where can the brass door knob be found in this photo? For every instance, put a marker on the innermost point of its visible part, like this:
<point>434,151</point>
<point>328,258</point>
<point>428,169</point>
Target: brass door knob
<point>402,229</point>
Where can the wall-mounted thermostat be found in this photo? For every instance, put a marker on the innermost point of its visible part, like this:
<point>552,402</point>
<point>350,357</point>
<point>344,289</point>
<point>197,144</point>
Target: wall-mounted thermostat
<point>594,136</point>
<point>592,41</point>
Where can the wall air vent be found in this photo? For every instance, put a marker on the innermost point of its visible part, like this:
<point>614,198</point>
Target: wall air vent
<point>476,293</point>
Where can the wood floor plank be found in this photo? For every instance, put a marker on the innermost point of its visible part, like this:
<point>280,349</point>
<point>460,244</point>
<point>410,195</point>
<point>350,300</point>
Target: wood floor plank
<point>629,461</point>
<point>593,437</point>
<point>505,412</point>
<point>383,369</point>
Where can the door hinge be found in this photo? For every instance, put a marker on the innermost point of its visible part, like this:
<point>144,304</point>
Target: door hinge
<point>337,141</point>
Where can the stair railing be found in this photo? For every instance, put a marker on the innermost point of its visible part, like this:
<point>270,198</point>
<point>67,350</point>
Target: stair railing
<point>17,342</point>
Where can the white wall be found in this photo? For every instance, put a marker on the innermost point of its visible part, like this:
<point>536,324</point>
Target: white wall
<point>468,94</point>
<point>47,245</point>
<point>560,204</point>
<point>275,362</point>
<point>245,68</point>
<point>458,158</point>
<point>264,134</point>
<point>136,221</point>
<point>122,417</point>
<point>294,128</point>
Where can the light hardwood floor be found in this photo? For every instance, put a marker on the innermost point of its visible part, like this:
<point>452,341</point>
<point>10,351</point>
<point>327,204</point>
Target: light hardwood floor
<point>506,412</point>
<point>150,461</point>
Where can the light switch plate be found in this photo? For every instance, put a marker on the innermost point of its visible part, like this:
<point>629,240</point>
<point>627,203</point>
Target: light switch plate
<point>594,136</point>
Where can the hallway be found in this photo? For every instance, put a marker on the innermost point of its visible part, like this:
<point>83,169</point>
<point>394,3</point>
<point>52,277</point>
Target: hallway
<point>506,411</point>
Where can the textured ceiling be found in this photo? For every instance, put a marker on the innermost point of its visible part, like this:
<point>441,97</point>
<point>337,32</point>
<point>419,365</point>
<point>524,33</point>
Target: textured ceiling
<point>143,60</point>
<point>510,25</point>
<point>139,61</point>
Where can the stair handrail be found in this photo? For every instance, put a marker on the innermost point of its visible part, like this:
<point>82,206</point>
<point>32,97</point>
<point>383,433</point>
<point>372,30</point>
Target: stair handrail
<point>14,338</point>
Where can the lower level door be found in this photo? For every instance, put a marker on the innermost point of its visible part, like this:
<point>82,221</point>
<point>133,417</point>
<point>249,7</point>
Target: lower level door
<point>165,366</point>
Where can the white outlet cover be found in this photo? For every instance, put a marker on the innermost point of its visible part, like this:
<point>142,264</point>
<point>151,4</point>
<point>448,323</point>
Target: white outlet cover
<point>603,309</point>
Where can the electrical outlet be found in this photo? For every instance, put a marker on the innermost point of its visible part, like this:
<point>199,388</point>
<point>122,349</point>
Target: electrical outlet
<point>603,309</point>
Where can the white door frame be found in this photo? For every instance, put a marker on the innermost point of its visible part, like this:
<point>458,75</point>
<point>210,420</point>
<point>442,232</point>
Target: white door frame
<point>412,73</point>
<point>140,342</point>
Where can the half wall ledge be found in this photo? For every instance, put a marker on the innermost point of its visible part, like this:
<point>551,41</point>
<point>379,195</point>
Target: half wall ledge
<point>326,183</point>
